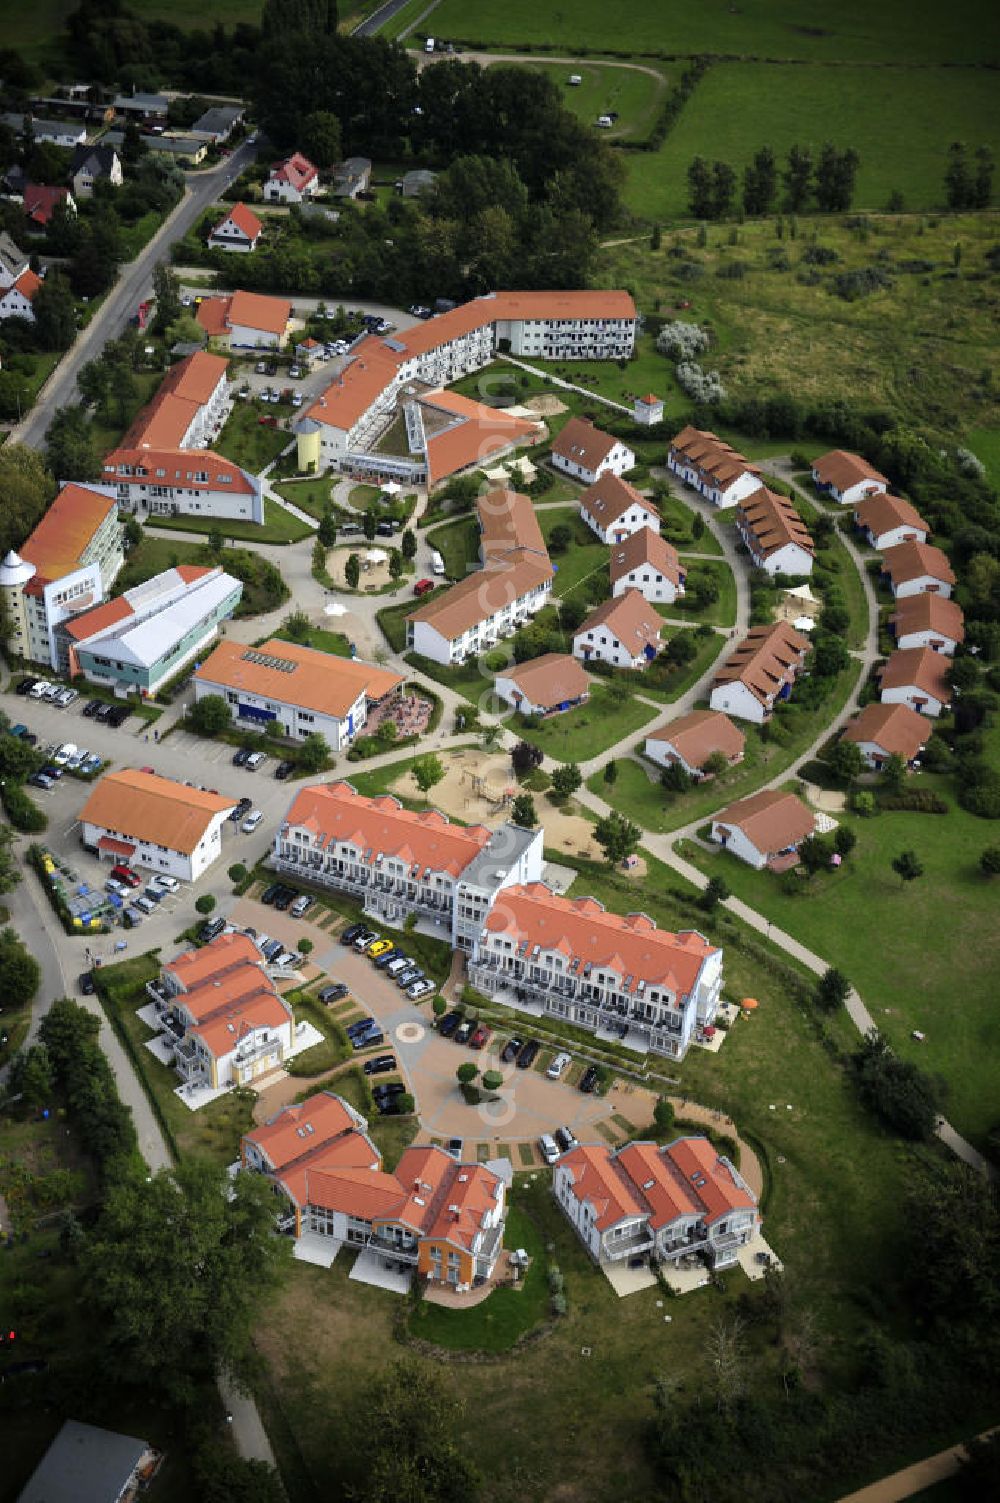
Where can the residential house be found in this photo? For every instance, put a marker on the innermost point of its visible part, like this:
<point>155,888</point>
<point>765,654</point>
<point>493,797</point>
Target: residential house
<point>648,410</point>
<point>351,177</point>
<point>13,262</point>
<point>760,672</point>
<point>17,299</point>
<point>399,861</point>
<point>647,563</point>
<point>149,821</point>
<point>482,609</point>
<point>928,621</point>
<point>95,164</point>
<point>613,509</point>
<point>917,569</point>
<point>918,677</point>
<point>169,482</point>
<point>507,520</point>
<point>667,1201</point>
<point>300,689</point>
<point>624,631</point>
<point>144,637</point>
<point>712,467</point>
<point>619,977</point>
<point>144,107</point>
<point>692,739</point>
<point>765,829</point>
<point>246,320</point>
<point>847,477</point>
<point>221,1015</point>
<point>444,1217</point>
<point>291,180</point>
<point>416,182</point>
<point>188,408</point>
<point>586,453</point>
<point>775,536</point>
<point>548,685</point>
<point>888,730</point>
<point>238,231</point>
<point>65,566</point>
<point>886,520</point>
<point>84,1462</point>
<point>218,122</point>
<point>66,133</point>
<point>308,351</point>
<point>39,203</point>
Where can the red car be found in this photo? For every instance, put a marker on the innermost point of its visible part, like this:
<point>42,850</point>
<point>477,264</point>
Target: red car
<point>127,875</point>
<point>422,586</point>
<point>480,1036</point>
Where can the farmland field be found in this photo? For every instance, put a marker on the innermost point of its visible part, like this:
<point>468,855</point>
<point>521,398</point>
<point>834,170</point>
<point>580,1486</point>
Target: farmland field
<point>855,31</point>
<point>900,126</point>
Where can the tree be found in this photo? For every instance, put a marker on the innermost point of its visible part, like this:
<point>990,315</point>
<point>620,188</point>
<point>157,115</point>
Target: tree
<point>314,753</point>
<point>352,571</point>
<point>566,779</point>
<point>963,675</point>
<point>954,1250</point>
<point>716,892</point>
<point>907,867</point>
<point>525,757</point>
<point>618,837</point>
<point>830,655</point>
<point>982,187</point>
<point>19,968</point>
<point>26,489</point>
<point>797,177</point>
<point>439,1006</point>
<point>297,626</point>
<point>467,1073</point>
<point>724,1351</point>
<point>844,840</point>
<point>611,772</point>
<point>326,532</point>
<point>675,778</point>
<point>832,990</point>
<point>893,1088</point>
<point>835,174</point>
<point>175,1270</point>
<point>522,811</point>
<point>893,773</point>
<point>216,541</point>
<point>387,733</point>
<point>408,543</point>
<point>760,183</point>
<point>989,861</point>
<point>32,1076</point>
<point>847,760</point>
<point>814,853</point>
<point>699,176</point>
<point>205,904</point>
<point>715,765</point>
<point>167,292</point>
<point>55,313</point>
<point>957,182</point>
<point>427,772</point>
<point>210,716</point>
<point>723,189</point>
<point>304,945</point>
<point>560,538</point>
<point>70,450</point>
<point>663,1115</point>
<point>320,137</point>
<point>681,649</point>
<point>413,1415</point>
<point>395,564</point>
<point>10,866</point>
<point>492,1080</point>
<point>370,523</point>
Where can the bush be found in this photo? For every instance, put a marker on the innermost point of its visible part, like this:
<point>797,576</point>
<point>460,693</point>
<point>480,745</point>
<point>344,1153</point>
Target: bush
<point>439,1006</point>
<point>22,811</point>
<point>682,341</point>
<point>237,873</point>
<point>915,800</point>
<point>204,904</point>
<point>704,387</point>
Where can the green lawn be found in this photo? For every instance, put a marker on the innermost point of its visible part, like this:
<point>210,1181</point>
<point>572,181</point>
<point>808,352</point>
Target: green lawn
<point>582,571</point>
<point>593,727</point>
<point>312,496</point>
<point>248,442</point>
<point>279,526</point>
<point>668,684</point>
<point>334,642</point>
<point>900,130</point>
<point>721,612</point>
<point>925,957</point>
<point>392,618</point>
<point>606,89</point>
<point>676,527</point>
<point>458,544</point>
<point>470,679</point>
<point>895,31</point>
<point>985,444</point>
<point>156,553</point>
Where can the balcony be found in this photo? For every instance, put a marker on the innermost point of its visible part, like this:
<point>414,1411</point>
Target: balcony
<point>407,1252</point>
<point>632,1246</point>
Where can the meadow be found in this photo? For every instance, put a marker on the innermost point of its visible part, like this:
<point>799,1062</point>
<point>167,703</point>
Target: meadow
<point>899,120</point>
<point>633,93</point>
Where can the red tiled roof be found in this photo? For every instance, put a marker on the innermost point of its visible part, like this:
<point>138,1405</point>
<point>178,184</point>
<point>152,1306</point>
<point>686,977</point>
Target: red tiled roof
<point>643,547</point>
<point>153,809</point>
<point>697,736</point>
<point>244,219</point>
<point>765,660</point>
<point>610,496</point>
<point>115,847</point>
<point>40,201</point>
<point>484,433</point>
<point>27,284</point>
<point>685,1178</point>
<point>213,315</point>
<point>584,444</point>
<point>508,520</point>
<point>894,728</point>
<point>711,1182</point>
<point>303,1128</point>
<point>912,560</point>
<point>295,170</point>
<point>317,680</point>
<point>883,513</point>
<point>72,522</point>
<point>550,680</point>
<point>509,577</point>
<point>339,815</point>
<point>843,469</point>
<point>772,521</point>
<point>598,1179</point>
<point>928,611</point>
<point>179,468</point>
<point>184,390</point>
<point>712,456</point>
<point>919,668</point>
<point>256,310</point>
<point>770,820</point>
<point>193,967</point>
<point>628,617</point>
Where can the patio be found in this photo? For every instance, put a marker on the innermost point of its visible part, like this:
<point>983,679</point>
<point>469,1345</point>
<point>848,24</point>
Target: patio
<point>370,1268</point>
<point>313,1248</point>
<point>625,1280</point>
<point>409,713</point>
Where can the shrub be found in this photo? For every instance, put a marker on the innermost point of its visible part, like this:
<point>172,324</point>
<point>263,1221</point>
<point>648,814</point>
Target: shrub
<point>439,1006</point>
<point>701,386</point>
<point>22,811</point>
<point>915,800</point>
<point>204,904</point>
<point>682,341</point>
<point>237,873</point>
<point>557,1304</point>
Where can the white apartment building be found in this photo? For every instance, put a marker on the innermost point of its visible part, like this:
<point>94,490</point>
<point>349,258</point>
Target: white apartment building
<point>712,467</point>
<point>482,609</point>
<point>145,820</point>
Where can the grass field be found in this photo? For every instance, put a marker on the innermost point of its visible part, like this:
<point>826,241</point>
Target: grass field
<point>919,347</point>
<point>721,612</point>
<point>458,544</point>
<point>590,729</point>
<point>633,93</point>
<point>582,571</point>
<point>894,31</point>
<point>985,444</point>
<point>901,128</point>
<point>279,526</point>
<point>312,496</point>
<point>248,442</point>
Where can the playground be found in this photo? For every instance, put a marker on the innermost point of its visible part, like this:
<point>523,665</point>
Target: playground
<point>374,563</point>
<point>478,789</point>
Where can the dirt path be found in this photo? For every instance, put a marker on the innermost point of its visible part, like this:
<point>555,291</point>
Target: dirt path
<point>915,1478</point>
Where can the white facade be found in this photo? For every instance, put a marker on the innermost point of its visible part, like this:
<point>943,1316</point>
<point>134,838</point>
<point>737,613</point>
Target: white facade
<point>14,304</point>
<point>569,338</point>
<point>296,722</point>
<point>738,844</point>
<point>791,559</point>
<point>278,191</point>
<point>618,460</point>
<point>228,236</point>
<point>936,640</point>
<point>895,535</point>
<point>921,700</point>
<point>853,494</point>
<point>161,491</point>
<point>255,339</point>
<point>743,485</point>
<point>426,638</point>
<point>185,866</point>
<point>923,584</point>
<point>735,699</point>
<point>601,645</point>
<point>632,519</point>
<point>651,584</point>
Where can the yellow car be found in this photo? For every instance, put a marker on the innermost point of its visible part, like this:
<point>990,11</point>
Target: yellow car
<point>380,947</point>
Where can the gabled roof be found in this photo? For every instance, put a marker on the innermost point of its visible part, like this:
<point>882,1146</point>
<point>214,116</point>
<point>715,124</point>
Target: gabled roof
<point>12,258</point>
<point>255,310</point>
<point>770,820</point>
<point>151,621</point>
<point>642,547</point>
<point>177,467</point>
<point>481,433</point>
<point>153,809</point>
<point>40,201</point>
<point>895,729</point>
<point>184,390</point>
<point>912,560</point>
<point>882,513</point>
<point>99,160</point>
<point>244,219</point>
<point>584,444</point>
<point>765,659</point>
<point>772,522</point>
<point>58,543</point>
<point>302,1128</point>
<point>697,736</point>
<point>712,456</point>
<point>918,668</point>
<point>293,674</point>
<point>599,1180</point>
<point>510,577</point>
<point>508,520</point>
<point>335,814</point>
<point>842,469</point>
<point>212,315</point>
<point>193,967</point>
<point>297,171</point>
<point>928,611</point>
<point>550,680</point>
<point>610,497</point>
<point>27,284</point>
<point>628,617</point>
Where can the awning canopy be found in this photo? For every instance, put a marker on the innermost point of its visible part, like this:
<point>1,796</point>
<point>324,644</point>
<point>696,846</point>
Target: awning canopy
<point>115,847</point>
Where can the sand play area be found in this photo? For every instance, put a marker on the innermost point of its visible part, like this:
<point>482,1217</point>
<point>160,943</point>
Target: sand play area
<point>374,574</point>
<point>546,406</point>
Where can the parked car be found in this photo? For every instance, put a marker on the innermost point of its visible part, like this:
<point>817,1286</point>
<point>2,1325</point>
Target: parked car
<point>154,894</point>
<point>365,938</point>
<point>550,1151</point>
<point>422,586</point>
<point>566,1139</point>
<point>511,1050</point>
<point>132,918</point>
<point>286,958</point>
<point>350,935</point>
<point>419,989</point>
<point>368,1040</point>
<point>302,905</point>
<point>398,963</point>
<point>117,715</point>
<point>449,1023</point>
<point>211,929</point>
<point>391,1088</point>
<point>455,1147</point>
<point>406,978</point>
<point>379,947</point>
<point>284,770</point>
<point>253,761</point>
<point>242,808</point>
<point>271,949</point>
<point>360,1026</point>
<point>240,757</point>
<point>91,708</point>
<point>383,961</point>
<point>480,1037</point>
<point>380,1065</point>
<point>64,753</point>
<point>333,993</point>
<point>462,1033</point>
<point>528,1055</point>
<point>65,698</point>
<point>169,884</point>
<point>286,896</point>
<point>40,780</point>
<point>86,983</point>
<point>557,1066</point>
<point>52,771</point>
<point>26,685</point>
<point>127,875</point>
<point>270,893</point>
<point>588,1080</point>
<point>145,905</point>
<point>119,889</point>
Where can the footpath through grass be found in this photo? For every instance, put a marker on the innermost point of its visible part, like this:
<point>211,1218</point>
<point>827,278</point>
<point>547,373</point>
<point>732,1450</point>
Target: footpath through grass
<point>278,526</point>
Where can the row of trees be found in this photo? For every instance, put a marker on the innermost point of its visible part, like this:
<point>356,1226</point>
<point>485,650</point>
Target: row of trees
<point>826,182</point>
<point>968,186</point>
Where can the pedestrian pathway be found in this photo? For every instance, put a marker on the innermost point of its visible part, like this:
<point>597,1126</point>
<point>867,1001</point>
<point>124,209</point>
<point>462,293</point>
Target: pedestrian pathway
<point>916,1478</point>
<point>585,391</point>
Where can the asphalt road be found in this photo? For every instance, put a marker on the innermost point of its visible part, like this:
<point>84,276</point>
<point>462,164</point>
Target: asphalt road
<point>378,18</point>
<point>134,283</point>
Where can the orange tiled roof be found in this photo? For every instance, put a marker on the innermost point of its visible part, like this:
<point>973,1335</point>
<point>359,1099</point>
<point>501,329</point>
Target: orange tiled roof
<point>221,1033</point>
<point>304,1128</point>
<point>192,968</point>
<point>499,307</point>
<point>630,618</point>
<point>255,310</point>
<point>597,1178</point>
<point>893,728</point>
<point>177,467</point>
<point>842,469</point>
<point>186,387</point>
<point>581,929</point>
<point>296,170</point>
<point>369,371</point>
<point>697,736</point>
<point>771,820</point>
<point>27,284</point>
<point>912,560</point>
<point>244,219</point>
<point>610,496</point>
<point>642,547</point>
<point>477,597</point>
<point>154,809</point>
<point>772,522</point>
<point>213,315</point>
<point>475,441</point>
<point>928,611</point>
<point>317,681</point>
<point>550,680</point>
<point>882,513</point>
<point>765,660</point>
<point>508,520</point>
<point>58,543</point>
<point>584,444</point>
<point>338,815</point>
<point>712,455</point>
<point>919,667</point>
<point>709,1180</point>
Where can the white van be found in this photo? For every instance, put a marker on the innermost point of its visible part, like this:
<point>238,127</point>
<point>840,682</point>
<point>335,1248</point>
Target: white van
<point>549,1147</point>
<point>605,122</point>
<point>429,45</point>
<point>437,563</point>
<point>576,78</point>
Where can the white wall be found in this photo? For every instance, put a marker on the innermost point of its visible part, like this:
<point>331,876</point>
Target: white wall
<point>632,520</point>
<point>925,584</point>
<point>739,845</point>
<point>736,700</point>
<point>927,638</point>
<point>255,339</point>
<point>430,642</point>
<point>650,584</point>
<point>917,699</point>
<point>895,536</point>
<point>791,559</point>
<point>295,721</point>
<point>187,868</point>
<point>601,645</point>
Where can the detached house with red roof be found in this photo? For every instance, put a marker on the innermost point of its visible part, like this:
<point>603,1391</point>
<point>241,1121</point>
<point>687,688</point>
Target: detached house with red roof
<point>400,861</point>
<point>928,621</point>
<point>888,730</point>
<point>442,1218</point>
<point>692,739</point>
<point>760,673</point>
<point>847,477</point>
<point>614,510</point>
<point>619,977</point>
<point>246,320</point>
<point>774,534</point>
<point>917,569</point>
<point>291,180</point>
<point>624,631</point>
<point>40,201</point>
<point>886,520</point>
<point>918,677</point>
<point>586,453</point>
<point>711,467</point>
<point>674,1201</point>
<point>765,829</point>
<point>155,823</point>
<point>16,300</point>
<point>647,563</point>
<point>238,231</point>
